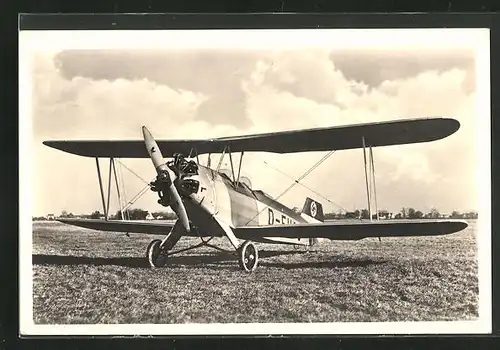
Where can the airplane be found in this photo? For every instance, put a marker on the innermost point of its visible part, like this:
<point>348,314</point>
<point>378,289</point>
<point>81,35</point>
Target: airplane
<point>214,203</point>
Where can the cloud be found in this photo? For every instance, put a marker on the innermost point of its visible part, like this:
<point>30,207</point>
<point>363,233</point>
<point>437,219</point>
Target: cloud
<point>82,106</point>
<point>306,73</point>
<point>374,67</point>
<point>215,74</point>
<point>415,174</point>
<point>110,94</point>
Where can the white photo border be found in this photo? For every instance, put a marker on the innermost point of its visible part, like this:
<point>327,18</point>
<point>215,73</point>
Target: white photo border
<point>410,39</point>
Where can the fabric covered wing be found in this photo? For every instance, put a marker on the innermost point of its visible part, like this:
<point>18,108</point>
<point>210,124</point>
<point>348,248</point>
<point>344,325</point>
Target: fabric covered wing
<point>353,230</point>
<point>318,139</point>
<point>149,227</point>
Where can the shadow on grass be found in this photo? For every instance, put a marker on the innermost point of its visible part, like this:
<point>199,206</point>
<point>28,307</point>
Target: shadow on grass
<point>138,262</point>
<point>331,264</point>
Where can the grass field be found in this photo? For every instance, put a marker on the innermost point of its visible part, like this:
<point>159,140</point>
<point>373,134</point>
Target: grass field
<point>83,276</point>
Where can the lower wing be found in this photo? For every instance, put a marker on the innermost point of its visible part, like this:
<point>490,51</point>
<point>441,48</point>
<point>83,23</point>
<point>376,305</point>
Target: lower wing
<point>334,230</point>
<point>149,227</point>
<point>354,230</point>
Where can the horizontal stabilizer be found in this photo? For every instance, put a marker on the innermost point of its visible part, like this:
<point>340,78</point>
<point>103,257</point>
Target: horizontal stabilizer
<point>354,230</point>
<point>343,137</point>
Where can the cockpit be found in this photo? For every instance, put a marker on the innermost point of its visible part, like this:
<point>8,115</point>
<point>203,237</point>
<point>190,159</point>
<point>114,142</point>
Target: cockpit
<point>246,181</point>
<point>243,185</point>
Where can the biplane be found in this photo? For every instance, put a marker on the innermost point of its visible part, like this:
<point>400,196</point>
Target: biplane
<point>214,203</point>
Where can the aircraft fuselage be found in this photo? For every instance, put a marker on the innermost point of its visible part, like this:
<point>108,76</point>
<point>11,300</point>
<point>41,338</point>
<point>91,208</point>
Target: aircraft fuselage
<point>235,204</point>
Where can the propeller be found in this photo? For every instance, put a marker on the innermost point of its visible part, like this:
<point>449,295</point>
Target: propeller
<point>167,176</point>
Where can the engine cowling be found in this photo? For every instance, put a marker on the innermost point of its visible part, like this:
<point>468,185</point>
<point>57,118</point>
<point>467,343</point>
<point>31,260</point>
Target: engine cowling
<point>186,183</point>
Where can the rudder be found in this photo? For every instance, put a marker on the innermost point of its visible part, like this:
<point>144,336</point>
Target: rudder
<point>312,211</point>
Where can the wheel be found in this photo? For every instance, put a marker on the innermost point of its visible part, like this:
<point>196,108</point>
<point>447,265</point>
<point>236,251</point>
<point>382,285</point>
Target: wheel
<point>248,257</point>
<point>157,257</point>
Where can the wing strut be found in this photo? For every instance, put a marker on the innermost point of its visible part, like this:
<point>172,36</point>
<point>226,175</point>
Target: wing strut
<point>239,168</point>
<point>124,205</point>
<point>122,183</point>
<point>366,178</point>
<point>374,186</point>
<point>106,203</point>
<point>109,187</point>
<point>112,164</point>
<point>371,190</point>
<point>231,161</point>
<point>113,172</point>
<point>221,158</point>
<point>193,149</point>
<point>101,187</point>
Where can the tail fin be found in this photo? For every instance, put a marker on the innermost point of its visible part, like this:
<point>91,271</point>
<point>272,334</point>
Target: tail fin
<point>312,211</point>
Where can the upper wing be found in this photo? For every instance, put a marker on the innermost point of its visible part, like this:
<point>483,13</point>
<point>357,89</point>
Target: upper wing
<point>318,139</point>
<point>150,227</point>
<point>353,230</point>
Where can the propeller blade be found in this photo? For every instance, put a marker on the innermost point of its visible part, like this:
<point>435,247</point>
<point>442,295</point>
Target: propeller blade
<point>154,152</point>
<point>178,207</point>
<point>162,168</point>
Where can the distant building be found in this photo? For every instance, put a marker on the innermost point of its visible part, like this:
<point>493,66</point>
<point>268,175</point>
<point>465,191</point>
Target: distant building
<point>385,216</point>
<point>150,216</point>
<point>51,217</point>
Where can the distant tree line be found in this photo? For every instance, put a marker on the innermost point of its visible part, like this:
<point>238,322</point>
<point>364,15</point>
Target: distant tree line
<point>135,214</point>
<point>141,214</point>
<point>404,213</point>
<point>39,218</point>
<point>130,214</point>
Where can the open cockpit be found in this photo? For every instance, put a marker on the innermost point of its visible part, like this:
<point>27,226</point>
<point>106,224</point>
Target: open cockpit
<point>244,185</point>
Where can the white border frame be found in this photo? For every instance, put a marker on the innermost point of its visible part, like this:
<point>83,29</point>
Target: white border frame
<point>411,39</point>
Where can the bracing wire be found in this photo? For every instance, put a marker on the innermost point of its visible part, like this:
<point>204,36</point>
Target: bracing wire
<point>297,181</point>
<point>133,172</point>
<point>307,187</point>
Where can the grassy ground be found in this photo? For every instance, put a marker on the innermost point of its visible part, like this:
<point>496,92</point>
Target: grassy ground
<point>83,276</point>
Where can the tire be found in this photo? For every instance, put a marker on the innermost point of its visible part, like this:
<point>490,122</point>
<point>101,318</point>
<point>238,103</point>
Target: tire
<point>156,257</point>
<point>248,257</point>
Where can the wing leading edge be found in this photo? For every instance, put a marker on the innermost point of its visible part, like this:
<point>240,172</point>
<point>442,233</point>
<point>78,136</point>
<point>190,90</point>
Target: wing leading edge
<point>149,227</point>
<point>334,230</point>
<point>318,139</point>
<point>355,230</point>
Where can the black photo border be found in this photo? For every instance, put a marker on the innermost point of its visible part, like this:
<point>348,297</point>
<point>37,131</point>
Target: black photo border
<point>9,326</point>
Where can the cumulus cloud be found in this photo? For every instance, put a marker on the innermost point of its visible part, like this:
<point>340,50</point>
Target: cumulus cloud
<point>374,67</point>
<point>309,74</point>
<point>412,174</point>
<point>213,73</point>
<point>81,106</point>
<point>109,95</point>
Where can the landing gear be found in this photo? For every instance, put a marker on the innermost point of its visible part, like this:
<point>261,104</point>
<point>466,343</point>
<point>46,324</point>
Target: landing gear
<point>157,257</point>
<point>248,256</point>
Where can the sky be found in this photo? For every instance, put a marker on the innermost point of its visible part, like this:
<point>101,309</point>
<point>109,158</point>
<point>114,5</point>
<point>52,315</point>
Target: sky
<point>202,92</point>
